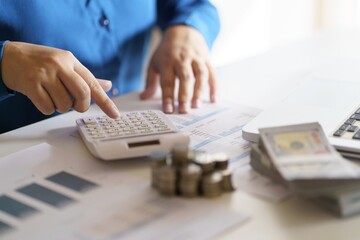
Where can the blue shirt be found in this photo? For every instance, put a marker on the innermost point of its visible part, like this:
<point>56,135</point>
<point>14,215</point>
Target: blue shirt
<point>109,37</point>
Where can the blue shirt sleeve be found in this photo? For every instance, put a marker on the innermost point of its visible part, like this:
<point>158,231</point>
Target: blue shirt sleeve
<point>4,91</point>
<point>199,14</point>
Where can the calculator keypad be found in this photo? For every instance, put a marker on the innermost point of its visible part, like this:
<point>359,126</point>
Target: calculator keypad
<point>129,124</point>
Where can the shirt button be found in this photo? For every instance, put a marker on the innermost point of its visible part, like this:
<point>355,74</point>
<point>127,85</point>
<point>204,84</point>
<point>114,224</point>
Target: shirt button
<point>115,92</point>
<point>104,21</point>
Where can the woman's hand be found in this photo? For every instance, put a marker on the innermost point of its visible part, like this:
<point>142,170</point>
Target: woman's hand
<point>184,55</point>
<point>53,79</point>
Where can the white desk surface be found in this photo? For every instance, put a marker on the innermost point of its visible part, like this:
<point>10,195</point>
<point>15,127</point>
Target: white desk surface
<point>258,82</point>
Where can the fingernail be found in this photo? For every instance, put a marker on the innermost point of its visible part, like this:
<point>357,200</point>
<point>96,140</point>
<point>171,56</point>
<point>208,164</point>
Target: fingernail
<point>116,112</point>
<point>144,94</point>
<point>106,85</point>
<point>183,108</point>
<point>196,103</point>
<point>168,108</point>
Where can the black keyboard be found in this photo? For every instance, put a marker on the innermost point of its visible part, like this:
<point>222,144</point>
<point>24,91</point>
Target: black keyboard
<point>350,128</point>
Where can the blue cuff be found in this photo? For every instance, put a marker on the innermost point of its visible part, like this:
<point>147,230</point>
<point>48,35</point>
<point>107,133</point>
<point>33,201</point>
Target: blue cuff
<point>4,91</point>
<point>205,20</point>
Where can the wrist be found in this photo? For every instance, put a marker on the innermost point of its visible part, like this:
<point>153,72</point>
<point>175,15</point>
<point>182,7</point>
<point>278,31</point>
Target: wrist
<point>178,29</point>
<point>2,47</point>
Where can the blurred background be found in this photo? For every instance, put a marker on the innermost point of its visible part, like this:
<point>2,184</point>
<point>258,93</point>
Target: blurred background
<point>251,27</point>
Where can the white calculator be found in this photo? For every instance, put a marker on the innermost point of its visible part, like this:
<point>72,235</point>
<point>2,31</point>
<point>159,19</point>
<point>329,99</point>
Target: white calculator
<point>134,134</point>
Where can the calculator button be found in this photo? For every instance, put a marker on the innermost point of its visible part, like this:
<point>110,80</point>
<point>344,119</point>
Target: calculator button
<point>143,128</point>
<point>91,128</point>
<point>146,131</point>
<point>159,126</point>
<point>98,136</point>
<point>93,133</point>
<point>90,121</point>
<point>163,129</point>
<point>115,134</point>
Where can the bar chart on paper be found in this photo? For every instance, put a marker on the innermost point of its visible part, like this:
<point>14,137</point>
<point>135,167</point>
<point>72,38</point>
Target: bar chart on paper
<point>70,196</point>
<point>20,209</point>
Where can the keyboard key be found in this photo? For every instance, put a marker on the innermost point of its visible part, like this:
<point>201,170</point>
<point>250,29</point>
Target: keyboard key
<point>344,127</point>
<point>350,121</point>
<point>358,111</point>
<point>338,133</point>
<point>357,135</point>
<point>356,116</point>
<point>352,129</point>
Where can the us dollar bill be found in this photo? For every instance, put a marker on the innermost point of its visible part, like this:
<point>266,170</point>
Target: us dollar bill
<point>301,152</point>
<point>301,158</point>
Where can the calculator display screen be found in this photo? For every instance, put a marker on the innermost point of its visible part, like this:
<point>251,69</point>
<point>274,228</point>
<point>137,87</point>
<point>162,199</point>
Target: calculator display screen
<point>142,144</point>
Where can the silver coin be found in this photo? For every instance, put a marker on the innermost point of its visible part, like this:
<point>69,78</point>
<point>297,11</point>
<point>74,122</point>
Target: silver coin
<point>211,185</point>
<point>205,161</point>
<point>227,183</point>
<point>190,171</point>
<point>221,160</point>
<point>179,155</point>
<point>158,158</point>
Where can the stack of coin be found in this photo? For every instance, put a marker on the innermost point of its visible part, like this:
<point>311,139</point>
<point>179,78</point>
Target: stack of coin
<point>221,160</point>
<point>191,173</point>
<point>211,185</point>
<point>189,180</point>
<point>227,184</point>
<point>158,159</point>
<point>179,155</point>
<point>204,160</point>
<point>166,180</point>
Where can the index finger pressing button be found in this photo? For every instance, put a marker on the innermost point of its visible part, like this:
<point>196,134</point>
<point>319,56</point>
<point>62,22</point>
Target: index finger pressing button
<point>97,93</point>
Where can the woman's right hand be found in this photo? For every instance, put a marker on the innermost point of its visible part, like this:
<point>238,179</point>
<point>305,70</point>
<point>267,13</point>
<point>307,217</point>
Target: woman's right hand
<point>53,79</point>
